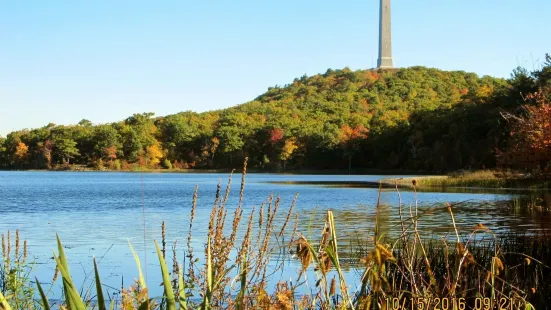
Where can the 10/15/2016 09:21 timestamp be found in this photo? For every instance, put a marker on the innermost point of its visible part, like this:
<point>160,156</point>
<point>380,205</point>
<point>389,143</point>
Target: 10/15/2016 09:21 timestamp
<point>480,303</point>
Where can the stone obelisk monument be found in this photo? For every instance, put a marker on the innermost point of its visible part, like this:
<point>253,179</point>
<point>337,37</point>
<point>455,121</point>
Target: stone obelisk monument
<point>385,40</point>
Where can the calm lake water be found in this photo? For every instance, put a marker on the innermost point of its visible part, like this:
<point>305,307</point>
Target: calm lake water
<point>95,214</point>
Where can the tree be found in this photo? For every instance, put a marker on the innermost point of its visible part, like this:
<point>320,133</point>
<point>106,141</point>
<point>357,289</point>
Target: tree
<point>530,135</point>
<point>21,152</point>
<point>85,123</point>
<point>287,151</point>
<point>154,155</point>
<point>111,152</point>
<point>276,135</point>
<point>350,141</point>
<point>104,136</point>
<point>65,148</point>
<point>46,148</point>
<point>144,126</point>
<point>3,153</point>
<point>132,144</point>
<point>212,148</point>
<point>330,115</point>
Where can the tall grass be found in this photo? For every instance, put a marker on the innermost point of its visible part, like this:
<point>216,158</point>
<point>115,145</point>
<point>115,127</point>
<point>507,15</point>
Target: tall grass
<point>479,178</point>
<point>15,269</point>
<point>405,273</point>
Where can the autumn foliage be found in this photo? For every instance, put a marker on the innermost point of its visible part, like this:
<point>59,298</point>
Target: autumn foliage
<point>416,118</point>
<point>529,144</point>
<point>21,151</point>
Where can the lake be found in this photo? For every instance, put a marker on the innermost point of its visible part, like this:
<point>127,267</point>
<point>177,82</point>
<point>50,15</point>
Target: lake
<point>96,213</point>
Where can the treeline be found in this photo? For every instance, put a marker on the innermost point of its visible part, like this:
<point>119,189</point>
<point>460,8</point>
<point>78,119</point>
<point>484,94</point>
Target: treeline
<point>412,118</point>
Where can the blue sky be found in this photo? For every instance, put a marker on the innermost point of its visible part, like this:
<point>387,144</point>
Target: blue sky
<point>62,61</point>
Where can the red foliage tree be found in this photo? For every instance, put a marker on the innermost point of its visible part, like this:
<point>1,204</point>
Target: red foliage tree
<point>276,135</point>
<point>529,144</point>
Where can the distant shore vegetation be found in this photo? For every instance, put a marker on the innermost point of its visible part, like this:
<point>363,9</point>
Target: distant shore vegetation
<point>417,119</point>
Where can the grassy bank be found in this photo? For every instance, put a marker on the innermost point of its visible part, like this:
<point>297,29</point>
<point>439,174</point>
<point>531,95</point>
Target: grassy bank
<point>461,272</point>
<point>475,179</point>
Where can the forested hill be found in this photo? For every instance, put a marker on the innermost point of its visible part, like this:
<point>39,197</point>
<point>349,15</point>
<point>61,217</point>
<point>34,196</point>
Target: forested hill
<point>411,118</point>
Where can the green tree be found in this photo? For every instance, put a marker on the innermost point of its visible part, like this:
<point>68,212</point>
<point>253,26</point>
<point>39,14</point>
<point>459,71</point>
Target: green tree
<point>103,137</point>
<point>65,148</point>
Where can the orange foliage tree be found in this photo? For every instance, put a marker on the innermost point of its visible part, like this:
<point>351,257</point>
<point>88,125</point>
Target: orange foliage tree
<point>21,151</point>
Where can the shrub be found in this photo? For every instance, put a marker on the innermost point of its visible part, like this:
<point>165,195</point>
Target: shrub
<point>166,164</point>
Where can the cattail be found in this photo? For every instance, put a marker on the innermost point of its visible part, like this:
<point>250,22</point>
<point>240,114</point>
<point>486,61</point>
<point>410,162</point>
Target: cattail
<point>303,252</point>
<point>332,288</point>
<point>324,236</point>
<point>325,262</point>
<point>414,182</point>
<point>163,238</point>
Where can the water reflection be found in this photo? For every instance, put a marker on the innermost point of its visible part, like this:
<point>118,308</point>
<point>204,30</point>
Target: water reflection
<point>96,213</point>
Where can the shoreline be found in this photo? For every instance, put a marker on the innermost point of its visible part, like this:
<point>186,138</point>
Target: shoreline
<point>249,170</point>
<point>484,179</point>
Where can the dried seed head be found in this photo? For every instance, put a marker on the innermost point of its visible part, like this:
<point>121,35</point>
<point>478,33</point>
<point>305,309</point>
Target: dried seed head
<point>17,244</point>
<point>163,237</point>
<point>303,252</point>
<point>283,297</point>
<point>414,182</point>
<point>25,250</point>
<point>385,253</point>
<point>288,215</point>
<point>56,273</point>
<point>332,288</point>
<point>498,265</point>
<point>9,244</point>
<point>4,251</point>
<point>243,175</point>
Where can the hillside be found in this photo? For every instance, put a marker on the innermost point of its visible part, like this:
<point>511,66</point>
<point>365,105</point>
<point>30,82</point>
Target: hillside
<point>412,118</point>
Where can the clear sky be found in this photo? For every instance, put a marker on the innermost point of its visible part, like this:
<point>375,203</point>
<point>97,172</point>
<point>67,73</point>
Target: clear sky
<point>62,61</point>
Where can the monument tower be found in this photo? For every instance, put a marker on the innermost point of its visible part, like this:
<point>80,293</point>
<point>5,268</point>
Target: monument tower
<point>385,40</point>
